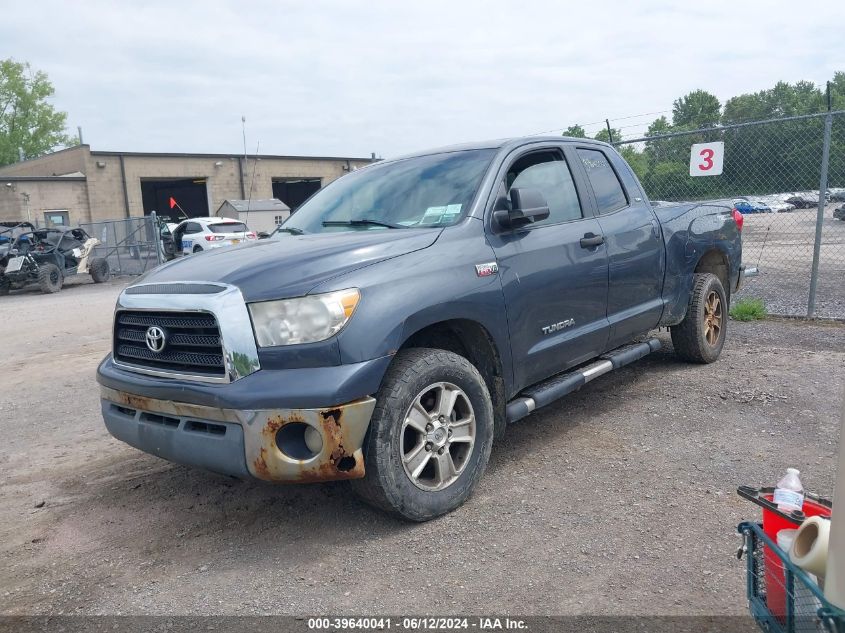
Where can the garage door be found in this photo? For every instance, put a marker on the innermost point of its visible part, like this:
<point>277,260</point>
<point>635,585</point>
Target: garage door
<point>175,198</point>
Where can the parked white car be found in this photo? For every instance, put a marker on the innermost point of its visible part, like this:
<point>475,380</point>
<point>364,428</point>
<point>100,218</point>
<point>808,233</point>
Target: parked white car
<point>201,234</point>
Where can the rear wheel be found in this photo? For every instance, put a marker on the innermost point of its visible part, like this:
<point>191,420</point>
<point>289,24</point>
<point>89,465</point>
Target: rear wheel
<point>699,338</point>
<point>197,249</point>
<point>430,436</point>
<point>99,269</point>
<point>49,278</point>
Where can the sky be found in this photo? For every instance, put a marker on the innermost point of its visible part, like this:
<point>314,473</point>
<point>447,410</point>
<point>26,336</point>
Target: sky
<point>350,78</point>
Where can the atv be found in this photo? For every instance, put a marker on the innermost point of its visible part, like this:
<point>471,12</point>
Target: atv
<point>47,256</point>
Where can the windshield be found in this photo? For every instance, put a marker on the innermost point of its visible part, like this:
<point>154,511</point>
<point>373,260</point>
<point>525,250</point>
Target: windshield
<point>426,191</point>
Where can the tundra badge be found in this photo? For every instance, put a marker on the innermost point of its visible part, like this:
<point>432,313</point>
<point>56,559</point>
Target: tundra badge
<point>554,327</point>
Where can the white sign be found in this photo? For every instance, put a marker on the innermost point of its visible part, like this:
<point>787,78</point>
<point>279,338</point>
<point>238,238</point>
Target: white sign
<point>706,159</point>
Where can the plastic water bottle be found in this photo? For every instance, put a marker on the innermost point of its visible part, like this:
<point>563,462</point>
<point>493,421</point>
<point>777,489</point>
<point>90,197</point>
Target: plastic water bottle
<point>789,494</point>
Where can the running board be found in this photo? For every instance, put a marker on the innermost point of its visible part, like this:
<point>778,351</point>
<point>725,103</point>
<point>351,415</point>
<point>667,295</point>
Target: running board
<point>558,386</point>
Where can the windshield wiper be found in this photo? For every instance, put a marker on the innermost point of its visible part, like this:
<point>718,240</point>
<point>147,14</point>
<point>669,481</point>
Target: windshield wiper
<point>362,222</point>
<point>289,229</point>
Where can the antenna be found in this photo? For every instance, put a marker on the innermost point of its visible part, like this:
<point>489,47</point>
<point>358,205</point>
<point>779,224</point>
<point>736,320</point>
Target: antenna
<point>251,183</point>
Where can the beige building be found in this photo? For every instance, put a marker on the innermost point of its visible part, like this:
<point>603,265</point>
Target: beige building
<point>79,185</point>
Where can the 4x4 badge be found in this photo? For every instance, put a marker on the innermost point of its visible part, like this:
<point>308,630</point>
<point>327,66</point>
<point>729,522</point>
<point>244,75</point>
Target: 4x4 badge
<point>485,270</point>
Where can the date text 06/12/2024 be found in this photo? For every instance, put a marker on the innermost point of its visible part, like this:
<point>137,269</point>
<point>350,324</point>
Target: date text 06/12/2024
<point>417,623</point>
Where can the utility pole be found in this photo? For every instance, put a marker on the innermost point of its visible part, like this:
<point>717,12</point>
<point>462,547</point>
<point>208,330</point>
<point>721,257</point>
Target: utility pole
<point>245,169</point>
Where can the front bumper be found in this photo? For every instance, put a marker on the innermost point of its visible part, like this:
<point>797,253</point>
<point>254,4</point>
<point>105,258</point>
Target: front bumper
<point>241,442</point>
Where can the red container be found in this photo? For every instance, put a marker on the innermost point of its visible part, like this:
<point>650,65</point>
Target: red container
<point>774,522</point>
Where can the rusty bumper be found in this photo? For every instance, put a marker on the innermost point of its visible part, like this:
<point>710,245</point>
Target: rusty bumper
<point>226,440</point>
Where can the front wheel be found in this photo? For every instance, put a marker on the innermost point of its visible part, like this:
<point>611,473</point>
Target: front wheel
<point>699,338</point>
<point>430,435</point>
<point>99,270</point>
<point>49,278</point>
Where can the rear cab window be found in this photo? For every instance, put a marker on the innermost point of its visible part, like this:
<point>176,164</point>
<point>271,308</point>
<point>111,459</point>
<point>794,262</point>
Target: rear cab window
<point>228,227</point>
<point>608,190</point>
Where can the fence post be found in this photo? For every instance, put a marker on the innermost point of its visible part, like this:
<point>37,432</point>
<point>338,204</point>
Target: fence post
<point>156,237</point>
<point>817,245</point>
<point>116,246</point>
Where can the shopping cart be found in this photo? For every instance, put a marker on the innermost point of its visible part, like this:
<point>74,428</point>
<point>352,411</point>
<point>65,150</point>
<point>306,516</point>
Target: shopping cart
<point>800,605</point>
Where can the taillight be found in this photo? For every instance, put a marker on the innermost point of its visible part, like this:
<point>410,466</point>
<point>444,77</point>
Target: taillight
<point>250,236</point>
<point>738,218</point>
<point>214,238</point>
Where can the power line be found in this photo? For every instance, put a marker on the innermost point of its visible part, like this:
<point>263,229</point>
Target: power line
<point>599,123</point>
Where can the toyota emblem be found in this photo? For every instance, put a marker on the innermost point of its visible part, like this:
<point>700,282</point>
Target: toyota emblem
<point>155,339</point>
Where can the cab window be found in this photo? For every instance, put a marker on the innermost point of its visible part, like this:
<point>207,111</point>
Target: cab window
<point>608,190</point>
<point>548,172</point>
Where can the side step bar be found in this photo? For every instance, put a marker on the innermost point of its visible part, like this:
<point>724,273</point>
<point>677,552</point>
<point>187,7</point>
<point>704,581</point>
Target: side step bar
<point>558,386</point>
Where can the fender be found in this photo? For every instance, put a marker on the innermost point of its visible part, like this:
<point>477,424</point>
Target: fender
<point>690,232</point>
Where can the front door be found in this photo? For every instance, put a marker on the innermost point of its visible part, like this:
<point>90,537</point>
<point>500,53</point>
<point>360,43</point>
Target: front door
<point>635,250</point>
<point>555,289</point>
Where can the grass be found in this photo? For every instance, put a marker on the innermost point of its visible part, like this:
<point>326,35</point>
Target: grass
<point>749,310</point>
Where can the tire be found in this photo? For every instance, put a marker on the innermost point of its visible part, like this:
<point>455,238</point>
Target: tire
<point>49,278</point>
<point>699,338</point>
<point>99,270</point>
<point>388,484</point>
<point>197,249</point>
<point>5,287</point>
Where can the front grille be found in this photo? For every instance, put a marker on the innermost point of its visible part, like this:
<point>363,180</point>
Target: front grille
<point>192,344</point>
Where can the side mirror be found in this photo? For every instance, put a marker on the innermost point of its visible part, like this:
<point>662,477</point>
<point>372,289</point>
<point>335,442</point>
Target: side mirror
<point>526,206</point>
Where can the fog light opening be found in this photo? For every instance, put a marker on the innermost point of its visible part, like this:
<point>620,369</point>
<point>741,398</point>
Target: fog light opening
<point>298,440</point>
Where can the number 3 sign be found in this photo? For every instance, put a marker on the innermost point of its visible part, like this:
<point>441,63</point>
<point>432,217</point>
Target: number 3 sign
<point>706,159</point>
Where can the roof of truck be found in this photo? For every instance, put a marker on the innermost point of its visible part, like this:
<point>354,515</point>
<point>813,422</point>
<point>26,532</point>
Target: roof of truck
<point>501,143</point>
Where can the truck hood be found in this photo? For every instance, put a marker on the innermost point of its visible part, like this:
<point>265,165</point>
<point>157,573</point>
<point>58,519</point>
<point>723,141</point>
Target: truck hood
<point>293,264</point>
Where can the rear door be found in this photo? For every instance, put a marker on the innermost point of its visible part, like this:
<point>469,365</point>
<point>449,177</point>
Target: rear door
<point>555,289</point>
<point>635,250</point>
<point>191,233</point>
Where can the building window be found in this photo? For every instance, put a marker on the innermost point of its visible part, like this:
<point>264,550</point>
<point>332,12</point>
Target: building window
<point>280,219</point>
<point>56,217</point>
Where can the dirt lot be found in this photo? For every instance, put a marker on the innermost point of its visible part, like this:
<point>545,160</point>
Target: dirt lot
<point>781,245</point>
<point>619,499</point>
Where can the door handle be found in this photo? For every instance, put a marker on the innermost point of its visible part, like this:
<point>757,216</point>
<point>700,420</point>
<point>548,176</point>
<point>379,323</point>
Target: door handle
<point>591,240</point>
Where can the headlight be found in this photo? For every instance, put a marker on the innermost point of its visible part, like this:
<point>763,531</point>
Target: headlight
<point>303,320</point>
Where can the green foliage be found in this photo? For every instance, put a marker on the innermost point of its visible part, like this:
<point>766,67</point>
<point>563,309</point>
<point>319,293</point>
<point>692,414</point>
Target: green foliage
<point>27,121</point>
<point>696,110</point>
<point>575,131</point>
<point>749,310</point>
<point>604,135</point>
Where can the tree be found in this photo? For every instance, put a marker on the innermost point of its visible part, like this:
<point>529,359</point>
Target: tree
<point>575,131</point>
<point>603,135</point>
<point>659,126</point>
<point>837,90</point>
<point>28,123</point>
<point>696,110</point>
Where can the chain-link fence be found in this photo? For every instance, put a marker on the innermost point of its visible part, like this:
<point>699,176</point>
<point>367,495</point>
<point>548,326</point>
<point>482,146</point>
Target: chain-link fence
<point>774,172</point>
<point>132,246</point>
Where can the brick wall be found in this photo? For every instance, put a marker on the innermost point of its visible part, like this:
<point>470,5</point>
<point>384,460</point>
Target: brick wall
<point>103,198</point>
<point>44,195</point>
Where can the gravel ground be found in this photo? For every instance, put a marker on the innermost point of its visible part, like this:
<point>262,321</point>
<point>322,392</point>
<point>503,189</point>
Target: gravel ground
<point>781,245</point>
<point>620,499</point>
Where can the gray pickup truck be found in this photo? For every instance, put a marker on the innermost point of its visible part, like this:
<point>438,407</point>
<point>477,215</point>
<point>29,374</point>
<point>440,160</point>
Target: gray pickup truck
<point>393,327</point>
